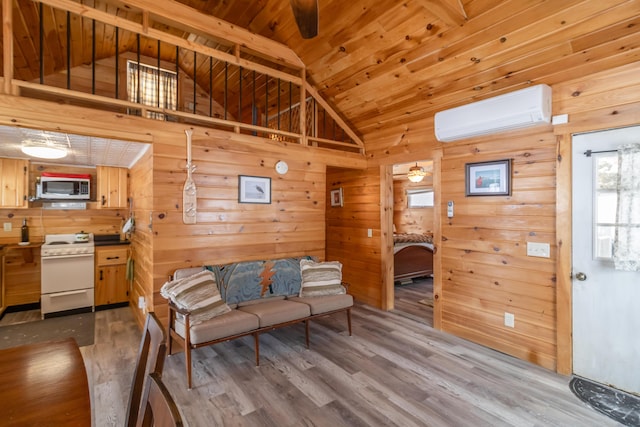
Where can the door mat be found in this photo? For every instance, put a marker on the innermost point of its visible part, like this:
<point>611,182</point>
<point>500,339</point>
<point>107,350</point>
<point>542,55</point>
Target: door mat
<point>426,301</point>
<point>77,326</point>
<point>616,404</point>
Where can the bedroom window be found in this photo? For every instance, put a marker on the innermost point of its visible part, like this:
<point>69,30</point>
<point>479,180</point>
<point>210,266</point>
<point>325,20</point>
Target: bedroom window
<point>152,86</point>
<point>420,198</point>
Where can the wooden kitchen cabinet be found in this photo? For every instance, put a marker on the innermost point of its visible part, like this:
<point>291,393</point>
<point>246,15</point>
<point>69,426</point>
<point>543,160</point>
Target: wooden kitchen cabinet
<point>21,275</point>
<point>111,285</point>
<point>112,184</point>
<point>14,175</point>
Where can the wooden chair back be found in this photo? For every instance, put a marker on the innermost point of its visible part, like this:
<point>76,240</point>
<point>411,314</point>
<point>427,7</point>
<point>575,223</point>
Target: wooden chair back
<point>158,407</point>
<point>150,360</point>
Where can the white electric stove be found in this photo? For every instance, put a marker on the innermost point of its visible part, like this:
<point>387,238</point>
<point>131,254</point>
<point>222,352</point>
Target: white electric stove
<point>67,273</point>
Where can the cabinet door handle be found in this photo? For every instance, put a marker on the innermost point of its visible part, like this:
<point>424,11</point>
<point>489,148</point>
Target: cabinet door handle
<point>113,257</point>
<point>100,274</point>
<point>104,200</point>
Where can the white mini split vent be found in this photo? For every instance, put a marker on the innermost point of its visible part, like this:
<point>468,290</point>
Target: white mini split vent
<point>515,110</point>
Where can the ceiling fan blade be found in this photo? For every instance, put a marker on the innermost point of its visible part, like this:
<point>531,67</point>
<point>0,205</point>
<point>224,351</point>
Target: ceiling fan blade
<point>306,14</point>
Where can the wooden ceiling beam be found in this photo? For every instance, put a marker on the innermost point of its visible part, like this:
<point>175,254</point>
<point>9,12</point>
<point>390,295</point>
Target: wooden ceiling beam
<point>171,12</point>
<point>450,11</point>
<point>314,93</point>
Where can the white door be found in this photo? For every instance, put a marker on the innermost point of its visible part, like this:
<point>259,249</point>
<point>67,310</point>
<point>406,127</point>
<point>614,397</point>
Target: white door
<point>606,302</point>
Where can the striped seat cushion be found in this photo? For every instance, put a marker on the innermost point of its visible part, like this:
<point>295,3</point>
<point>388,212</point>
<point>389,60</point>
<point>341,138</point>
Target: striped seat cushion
<point>197,294</point>
<point>321,278</point>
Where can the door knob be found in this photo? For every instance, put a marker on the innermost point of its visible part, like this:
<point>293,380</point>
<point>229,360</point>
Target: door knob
<point>581,276</point>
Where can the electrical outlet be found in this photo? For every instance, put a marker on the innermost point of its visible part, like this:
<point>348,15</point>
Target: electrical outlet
<point>369,232</point>
<point>141,303</point>
<point>542,250</point>
<point>509,320</point>
<point>7,226</point>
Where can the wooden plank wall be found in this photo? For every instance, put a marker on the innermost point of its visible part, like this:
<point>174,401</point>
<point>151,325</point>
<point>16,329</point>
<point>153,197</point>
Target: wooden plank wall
<point>293,224</point>
<point>227,231</point>
<point>485,270</point>
<point>347,228</point>
<point>406,219</point>
<point>141,198</point>
<point>44,221</point>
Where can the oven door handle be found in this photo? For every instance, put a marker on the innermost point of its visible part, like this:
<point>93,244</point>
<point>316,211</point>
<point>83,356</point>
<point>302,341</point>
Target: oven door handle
<point>45,258</point>
<point>64,294</point>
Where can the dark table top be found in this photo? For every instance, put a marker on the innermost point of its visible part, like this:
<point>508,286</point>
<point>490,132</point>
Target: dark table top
<point>44,384</point>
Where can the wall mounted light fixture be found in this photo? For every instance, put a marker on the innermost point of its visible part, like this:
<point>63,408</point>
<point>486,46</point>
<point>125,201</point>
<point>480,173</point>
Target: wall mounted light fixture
<point>43,150</point>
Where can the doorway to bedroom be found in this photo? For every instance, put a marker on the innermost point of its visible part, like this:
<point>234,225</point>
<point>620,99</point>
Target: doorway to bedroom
<point>413,223</point>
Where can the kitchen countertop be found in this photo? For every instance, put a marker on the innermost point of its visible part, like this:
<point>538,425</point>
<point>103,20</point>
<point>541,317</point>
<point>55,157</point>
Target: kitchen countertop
<point>112,243</point>
<point>18,245</point>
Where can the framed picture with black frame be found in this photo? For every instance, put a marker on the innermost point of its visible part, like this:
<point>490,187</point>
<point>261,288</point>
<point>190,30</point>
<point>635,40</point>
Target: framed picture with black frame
<point>254,189</point>
<point>488,178</point>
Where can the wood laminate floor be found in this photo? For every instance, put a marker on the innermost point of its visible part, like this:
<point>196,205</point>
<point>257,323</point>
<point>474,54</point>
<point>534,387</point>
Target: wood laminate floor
<point>407,299</point>
<point>393,371</point>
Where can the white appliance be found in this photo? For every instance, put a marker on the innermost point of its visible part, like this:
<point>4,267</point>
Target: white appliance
<point>67,273</point>
<point>519,109</point>
<point>64,186</point>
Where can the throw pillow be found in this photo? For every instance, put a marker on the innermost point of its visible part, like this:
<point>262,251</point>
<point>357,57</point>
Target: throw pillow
<point>321,278</point>
<point>197,294</point>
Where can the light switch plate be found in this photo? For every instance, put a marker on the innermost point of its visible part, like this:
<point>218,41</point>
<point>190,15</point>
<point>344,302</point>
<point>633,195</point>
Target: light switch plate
<point>509,320</point>
<point>542,250</point>
<point>560,119</point>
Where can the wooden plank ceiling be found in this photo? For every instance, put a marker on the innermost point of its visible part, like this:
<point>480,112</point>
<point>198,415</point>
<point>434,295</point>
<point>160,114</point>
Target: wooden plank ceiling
<point>382,63</point>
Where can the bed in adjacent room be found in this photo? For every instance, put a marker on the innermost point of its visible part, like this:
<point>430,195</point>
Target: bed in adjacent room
<point>413,256</point>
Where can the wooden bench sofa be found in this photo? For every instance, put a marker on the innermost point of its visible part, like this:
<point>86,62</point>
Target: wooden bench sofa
<point>254,297</point>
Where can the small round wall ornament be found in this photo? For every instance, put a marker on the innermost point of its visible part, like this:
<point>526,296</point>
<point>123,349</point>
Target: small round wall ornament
<point>282,167</point>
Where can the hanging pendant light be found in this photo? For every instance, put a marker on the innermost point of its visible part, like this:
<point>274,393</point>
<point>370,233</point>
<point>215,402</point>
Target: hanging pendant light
<point>416,173</point>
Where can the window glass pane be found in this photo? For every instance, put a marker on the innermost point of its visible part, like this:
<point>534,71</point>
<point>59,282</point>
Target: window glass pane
<point>604,241</point>
<point>606,175</point>
<point>152,86</point>
<point>606,172</point>
<point>420,199</point>
<point>606,207</point>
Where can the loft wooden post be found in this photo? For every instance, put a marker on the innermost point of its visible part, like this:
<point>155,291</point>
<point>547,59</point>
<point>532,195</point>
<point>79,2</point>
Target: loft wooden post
<point>7,43</point>
<point>303,109</point>
<point>145,21</point>
<point>437,239</point>
<point>386,237</point>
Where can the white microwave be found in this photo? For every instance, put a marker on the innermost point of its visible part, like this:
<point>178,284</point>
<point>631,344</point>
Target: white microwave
<point>64,186</point>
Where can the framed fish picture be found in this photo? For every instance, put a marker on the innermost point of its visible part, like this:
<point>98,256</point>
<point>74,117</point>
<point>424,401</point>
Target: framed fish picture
<point>488,178</point>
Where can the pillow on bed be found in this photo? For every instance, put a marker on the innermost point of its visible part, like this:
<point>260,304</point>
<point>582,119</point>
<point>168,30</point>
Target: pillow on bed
<point>413,238</point>
<point>197,294</point>
<point>321,278</point>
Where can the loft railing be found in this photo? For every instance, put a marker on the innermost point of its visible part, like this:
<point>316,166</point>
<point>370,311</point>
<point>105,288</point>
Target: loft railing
<point>80,54</point>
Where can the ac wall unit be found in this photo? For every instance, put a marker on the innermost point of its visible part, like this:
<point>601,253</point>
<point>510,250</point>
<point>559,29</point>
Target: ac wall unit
<point>515,110</point>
